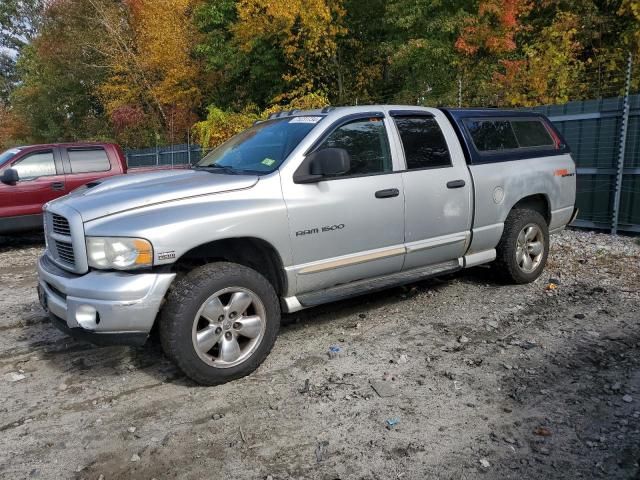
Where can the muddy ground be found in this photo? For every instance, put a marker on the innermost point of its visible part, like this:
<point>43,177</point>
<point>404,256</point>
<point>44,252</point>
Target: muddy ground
<point>479,380</point>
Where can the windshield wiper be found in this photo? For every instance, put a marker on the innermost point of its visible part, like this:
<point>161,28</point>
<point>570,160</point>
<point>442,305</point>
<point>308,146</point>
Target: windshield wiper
<point>223,168</point>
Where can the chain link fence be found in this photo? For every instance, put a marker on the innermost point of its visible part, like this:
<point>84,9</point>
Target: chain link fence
<point>182,154</point>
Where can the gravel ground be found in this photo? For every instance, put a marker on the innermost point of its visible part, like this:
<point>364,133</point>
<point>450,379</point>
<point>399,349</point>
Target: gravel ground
<point>457,377</point>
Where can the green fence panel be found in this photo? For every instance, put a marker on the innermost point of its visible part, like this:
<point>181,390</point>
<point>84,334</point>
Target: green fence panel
<point>592,130</point>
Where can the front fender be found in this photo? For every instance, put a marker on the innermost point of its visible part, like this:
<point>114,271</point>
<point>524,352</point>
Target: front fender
<point>174,228</point>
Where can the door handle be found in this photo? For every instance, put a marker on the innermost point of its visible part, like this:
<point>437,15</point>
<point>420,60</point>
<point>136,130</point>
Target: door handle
<point>57,186</point>
<point>388,193</point>
<point>456,184</point>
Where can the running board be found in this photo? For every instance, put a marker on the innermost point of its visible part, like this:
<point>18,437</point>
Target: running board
<point>370,285</point>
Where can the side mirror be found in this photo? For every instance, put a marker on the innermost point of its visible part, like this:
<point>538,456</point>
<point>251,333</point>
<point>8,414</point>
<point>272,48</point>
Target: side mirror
<point>10,176</point>
<point>323,163</point>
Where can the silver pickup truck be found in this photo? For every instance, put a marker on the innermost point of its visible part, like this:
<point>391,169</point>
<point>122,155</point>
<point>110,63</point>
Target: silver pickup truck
<point>304,208</point>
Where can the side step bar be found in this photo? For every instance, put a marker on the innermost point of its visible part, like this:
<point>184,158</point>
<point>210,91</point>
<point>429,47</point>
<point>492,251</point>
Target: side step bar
<point>370,285</point>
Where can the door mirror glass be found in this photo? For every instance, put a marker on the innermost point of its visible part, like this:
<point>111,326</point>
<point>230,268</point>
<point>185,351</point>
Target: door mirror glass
<point>10,176</point>
<point>330,162</point>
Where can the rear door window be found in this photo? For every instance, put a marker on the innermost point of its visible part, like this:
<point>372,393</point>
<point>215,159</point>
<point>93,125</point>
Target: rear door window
<point>423,142</point>
<point>38,164</point>
<point>88,160</point>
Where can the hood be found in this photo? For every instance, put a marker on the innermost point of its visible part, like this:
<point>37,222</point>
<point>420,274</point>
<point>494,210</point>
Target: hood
<point>127,192</point>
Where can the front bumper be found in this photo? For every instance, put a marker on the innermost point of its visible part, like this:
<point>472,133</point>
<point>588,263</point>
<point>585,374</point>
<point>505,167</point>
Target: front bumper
<point>102,307</point>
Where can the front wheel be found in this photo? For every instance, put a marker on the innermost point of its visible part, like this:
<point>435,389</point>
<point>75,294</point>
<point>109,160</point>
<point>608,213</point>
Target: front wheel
<point>524,247</point>
<point>220,322</point>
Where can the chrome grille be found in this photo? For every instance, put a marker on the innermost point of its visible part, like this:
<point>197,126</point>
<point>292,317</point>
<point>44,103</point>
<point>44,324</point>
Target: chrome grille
<point>60,225</point>
<point>65,252</point>
<point>65,239</point>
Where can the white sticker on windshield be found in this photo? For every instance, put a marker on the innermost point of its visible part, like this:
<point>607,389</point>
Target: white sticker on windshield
<point>305,119</point>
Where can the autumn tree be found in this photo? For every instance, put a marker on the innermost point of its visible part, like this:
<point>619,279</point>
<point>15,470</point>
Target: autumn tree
<point>13,129</point>
<point>487,39</point>
<point>144,71</point>
<point>223,124</point>
<point>239,78</point>
<point>154,82</point>
<point>550,51</point>
<point>630,10</point>
<point>304,32</point>
<point>20,21</point>
<point>550,70</point>
<point>424,64</point>
<point>59,73</point>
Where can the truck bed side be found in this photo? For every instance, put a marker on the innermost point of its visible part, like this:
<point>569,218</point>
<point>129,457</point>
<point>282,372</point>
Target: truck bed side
<point>543,178</point>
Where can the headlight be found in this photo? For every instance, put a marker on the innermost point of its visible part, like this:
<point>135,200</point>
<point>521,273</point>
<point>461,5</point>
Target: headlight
<point>120,253</point>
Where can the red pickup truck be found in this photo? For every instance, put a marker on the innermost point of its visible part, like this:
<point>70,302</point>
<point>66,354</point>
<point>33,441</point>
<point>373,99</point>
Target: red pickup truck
<point>31,176</point>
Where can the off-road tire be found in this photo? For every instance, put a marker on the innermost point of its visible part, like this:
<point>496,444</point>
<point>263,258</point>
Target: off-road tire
<point>506,266</point>
<point>183,302</point>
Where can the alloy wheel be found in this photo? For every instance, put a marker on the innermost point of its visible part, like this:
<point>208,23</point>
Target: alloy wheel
<point>530,247</point>
<point>228,327</point>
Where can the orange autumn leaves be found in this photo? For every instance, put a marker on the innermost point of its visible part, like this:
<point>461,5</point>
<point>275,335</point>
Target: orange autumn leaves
<point>143,72</point>
<point>153,78</point>
<point>543,71</point>
<point>494,28</point>
<point>304,30</point>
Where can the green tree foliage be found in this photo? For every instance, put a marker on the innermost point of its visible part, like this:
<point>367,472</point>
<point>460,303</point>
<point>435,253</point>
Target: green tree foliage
<point>19,23</point>
<point>59,73</point>
<point>8,75</point>
<point>238,78</point>
<point>141,71</point>
<point>425,65</point>
<point>153,82</point>
<point>220,124</point>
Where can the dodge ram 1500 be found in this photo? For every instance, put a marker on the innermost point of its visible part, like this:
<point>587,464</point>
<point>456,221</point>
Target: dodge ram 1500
<point>301,209</point>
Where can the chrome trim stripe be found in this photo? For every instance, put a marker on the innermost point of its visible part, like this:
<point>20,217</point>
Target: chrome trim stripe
<point>347,260</point>
<point>377,254</point>
<point>493,226</point>
<point>436,242</point>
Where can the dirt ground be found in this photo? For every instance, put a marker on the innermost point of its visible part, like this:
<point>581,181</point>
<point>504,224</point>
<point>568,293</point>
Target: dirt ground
<point>458,377</point>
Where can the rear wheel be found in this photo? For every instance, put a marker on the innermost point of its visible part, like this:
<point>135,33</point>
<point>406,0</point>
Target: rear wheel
<point>220,322</point>
<point>524,247</point>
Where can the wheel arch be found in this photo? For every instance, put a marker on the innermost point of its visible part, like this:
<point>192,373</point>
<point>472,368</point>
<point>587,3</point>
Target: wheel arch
<point>251,252</point>
<point>538,202</point>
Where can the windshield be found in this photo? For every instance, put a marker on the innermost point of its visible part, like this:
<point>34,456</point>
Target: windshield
<point>7,155</point>
<point>261,148</point>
